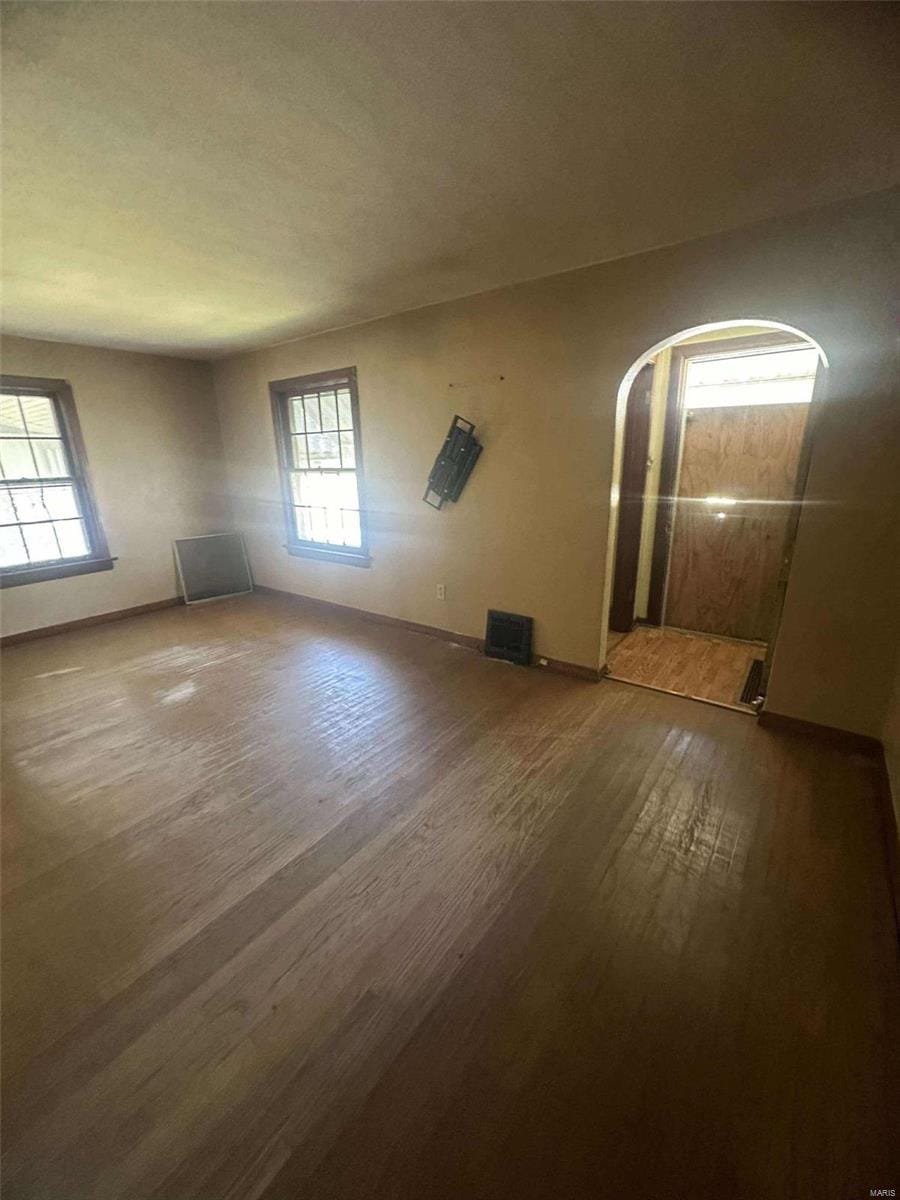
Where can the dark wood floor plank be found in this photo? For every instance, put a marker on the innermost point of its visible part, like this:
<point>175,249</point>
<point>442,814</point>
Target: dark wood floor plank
<point>300,906</point>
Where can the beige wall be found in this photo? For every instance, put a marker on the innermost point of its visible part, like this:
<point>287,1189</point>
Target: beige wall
<point>531,529</point>
<point>152,439</point>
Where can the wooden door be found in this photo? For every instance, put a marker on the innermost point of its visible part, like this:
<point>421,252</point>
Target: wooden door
<point>725,558</point>
<point>631,500</point>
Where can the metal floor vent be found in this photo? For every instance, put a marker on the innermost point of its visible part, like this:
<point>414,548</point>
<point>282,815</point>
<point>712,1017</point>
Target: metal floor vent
<point>753,682</point>
<point>508,636</point>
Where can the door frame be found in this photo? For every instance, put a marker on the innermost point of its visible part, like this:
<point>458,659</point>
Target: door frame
<point>670,465</point>
<point>632,490</point>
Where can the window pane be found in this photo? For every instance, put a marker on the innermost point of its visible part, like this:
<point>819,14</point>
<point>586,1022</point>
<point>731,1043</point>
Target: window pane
<point>11,420</point>
<point>326,490</point>
<point>16,460</point>
<point>296,411</point>
<point>319,525</point>
<point>7,512</point>
<point>328,406</point>
<point>39,416</point>
<point>29,504</point>
<point>303,524</point>
<point>345,410</point>
<point>322,502</point>
<point>50,458</point>
<point>348,450</point>
<point>347,491</point>
<point>60,501</point>
<point>744,368</point>
<point>42,504</point>
<point>315,490</point>
<point>780,377</point>
<point>12,548</point>
<point>298,449</point>
<point>72,540</point>
<point>352,530</point>
<point>310,489</point>
<point>311,403</point>
<point>741,395</point>
<point>335,526</point>
<point>324,450</point>
<point>41,542</point>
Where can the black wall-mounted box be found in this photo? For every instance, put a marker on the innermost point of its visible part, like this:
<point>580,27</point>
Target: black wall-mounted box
<point>454,463</point>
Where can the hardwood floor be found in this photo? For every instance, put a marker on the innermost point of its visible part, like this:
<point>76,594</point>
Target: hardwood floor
<point>613,637</point>
<point>299,906</point>
<point>690,664</point>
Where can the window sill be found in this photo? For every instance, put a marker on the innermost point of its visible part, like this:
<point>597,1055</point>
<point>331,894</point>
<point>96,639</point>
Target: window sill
<point>325,555</point>
<point>57,570</point>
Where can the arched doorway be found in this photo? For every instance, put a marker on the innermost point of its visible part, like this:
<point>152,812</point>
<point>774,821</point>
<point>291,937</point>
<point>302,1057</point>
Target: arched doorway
<point>716,425</point>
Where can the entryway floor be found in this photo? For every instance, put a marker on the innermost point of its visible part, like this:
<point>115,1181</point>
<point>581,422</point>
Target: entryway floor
<point>696,665</point>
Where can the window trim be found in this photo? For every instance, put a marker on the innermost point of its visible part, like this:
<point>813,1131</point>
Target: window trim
<point>99,559</point>
<point>280,391</point>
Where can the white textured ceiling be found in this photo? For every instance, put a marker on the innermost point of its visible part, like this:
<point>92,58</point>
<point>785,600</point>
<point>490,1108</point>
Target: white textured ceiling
<point>197,178</point>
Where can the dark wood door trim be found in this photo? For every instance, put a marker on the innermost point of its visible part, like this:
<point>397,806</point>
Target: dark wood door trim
<point>631,500</point>
<point>671,455</point>
<point>668,478</point>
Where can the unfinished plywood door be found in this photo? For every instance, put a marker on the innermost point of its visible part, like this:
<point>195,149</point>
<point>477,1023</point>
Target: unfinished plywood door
<point>725,557</point>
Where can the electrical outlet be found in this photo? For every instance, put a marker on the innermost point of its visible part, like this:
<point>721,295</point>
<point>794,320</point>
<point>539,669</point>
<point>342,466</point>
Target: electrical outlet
<point>441,592</point>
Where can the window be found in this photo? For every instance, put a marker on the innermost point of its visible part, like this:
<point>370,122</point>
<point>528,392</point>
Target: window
<point>48,522</point>
<point>320,459</point>
<point>774,376</point>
